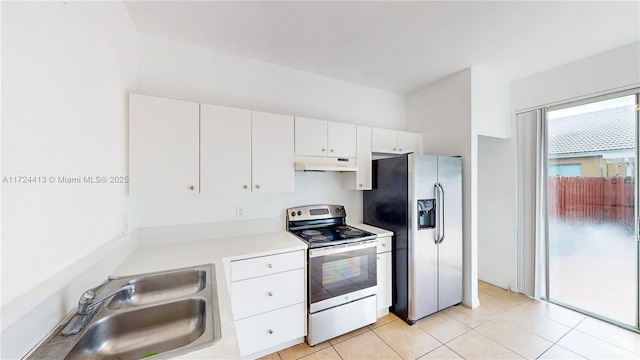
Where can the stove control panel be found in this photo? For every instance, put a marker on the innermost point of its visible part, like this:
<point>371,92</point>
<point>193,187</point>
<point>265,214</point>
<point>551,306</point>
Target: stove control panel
<point>313,212</point>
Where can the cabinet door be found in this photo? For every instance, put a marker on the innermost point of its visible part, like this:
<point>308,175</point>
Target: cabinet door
<point>272,152</point>
<point>259,295</point>
<point>225,149</point>
<point>361,179</point>
<point>384,280</point>
<point>341,140</point>
<point>163,146</point>
<point>409,142</point>
<point>263,331</point>
<point>310,137</point>
<point>384,141</point>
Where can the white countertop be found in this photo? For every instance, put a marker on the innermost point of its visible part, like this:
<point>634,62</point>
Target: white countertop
<point>378,231</point>
<point>219,252</point>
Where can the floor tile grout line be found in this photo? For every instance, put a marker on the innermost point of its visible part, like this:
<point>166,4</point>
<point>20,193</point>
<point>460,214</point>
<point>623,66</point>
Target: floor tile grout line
<point>455,352</point>
<point>389,345</point>
<point>563,336</point>
<point>593,336</point>
<point>504,346</point>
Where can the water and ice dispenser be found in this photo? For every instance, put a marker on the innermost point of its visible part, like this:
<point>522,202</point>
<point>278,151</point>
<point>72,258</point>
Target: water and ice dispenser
<point>426,214</point>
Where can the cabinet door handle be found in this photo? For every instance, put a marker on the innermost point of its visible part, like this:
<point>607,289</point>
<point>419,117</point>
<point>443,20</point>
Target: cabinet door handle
<point>323,150</point>
<point>245,186</point>
<point>270,331</point>
<point>400,149</point>
<point>270,266</point>
<point>394,149</point>
<point>360,185</point>
<point>331,150</point>
<point>191,187</point>
<point>270,293</point>
<point>384,245</point>
<point>257,186</point>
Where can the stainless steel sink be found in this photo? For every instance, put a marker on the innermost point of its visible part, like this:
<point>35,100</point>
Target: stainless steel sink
<point>163,315</point>
<point>144,332</point>
<point>156,288</point>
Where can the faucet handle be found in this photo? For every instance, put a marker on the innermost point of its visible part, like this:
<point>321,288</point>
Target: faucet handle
<point>88,296</point>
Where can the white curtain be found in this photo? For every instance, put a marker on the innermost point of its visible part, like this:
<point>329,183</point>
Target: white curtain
<point>531,184</point>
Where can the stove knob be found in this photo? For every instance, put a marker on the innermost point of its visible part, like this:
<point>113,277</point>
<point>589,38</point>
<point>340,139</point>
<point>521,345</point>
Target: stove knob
<point>299,212</point>
<point>293,213</point>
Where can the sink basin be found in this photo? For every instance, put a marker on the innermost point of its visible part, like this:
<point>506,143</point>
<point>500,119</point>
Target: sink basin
<point>157,288</point>
<point>166,314</point>
<point>144,332</point>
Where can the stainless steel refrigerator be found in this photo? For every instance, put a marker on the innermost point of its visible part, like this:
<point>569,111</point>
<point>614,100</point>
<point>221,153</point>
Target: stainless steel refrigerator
<point>419,198</point>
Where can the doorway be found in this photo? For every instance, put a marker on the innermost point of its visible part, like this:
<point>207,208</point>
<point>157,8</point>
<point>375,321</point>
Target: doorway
<point>592,191</point>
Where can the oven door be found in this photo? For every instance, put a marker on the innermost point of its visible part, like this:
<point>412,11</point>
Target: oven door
<point>341,274</point>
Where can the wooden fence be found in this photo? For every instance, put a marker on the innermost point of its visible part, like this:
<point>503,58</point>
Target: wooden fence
<point>592,199</point>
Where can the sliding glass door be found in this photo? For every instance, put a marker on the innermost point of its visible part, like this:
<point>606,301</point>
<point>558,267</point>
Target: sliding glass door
<point>592,253</point>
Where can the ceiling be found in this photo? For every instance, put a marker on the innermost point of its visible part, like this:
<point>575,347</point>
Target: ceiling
<point>397,46</point>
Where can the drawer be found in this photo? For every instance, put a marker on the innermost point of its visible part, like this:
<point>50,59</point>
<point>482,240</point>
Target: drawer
<point>270,329</point>
<point>384,244</point>
<point>259,295</point>
<point>267,265</point>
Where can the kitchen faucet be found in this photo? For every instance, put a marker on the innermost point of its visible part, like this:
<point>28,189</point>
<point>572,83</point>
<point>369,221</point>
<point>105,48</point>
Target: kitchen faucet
<point>88,306</point>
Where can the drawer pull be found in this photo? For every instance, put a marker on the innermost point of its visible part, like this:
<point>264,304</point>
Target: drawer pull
<point>270,266</point>
<point>270,331</point>
<point>384,245</point>
<point>270,293</point>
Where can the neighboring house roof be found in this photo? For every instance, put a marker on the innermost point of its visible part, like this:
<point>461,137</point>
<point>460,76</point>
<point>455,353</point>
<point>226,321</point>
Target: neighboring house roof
<point>603,130</point>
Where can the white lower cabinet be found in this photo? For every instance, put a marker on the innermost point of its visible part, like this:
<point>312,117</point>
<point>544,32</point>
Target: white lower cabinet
<point>270,329</point>
<point>384,275</point>
<point>268,300</point>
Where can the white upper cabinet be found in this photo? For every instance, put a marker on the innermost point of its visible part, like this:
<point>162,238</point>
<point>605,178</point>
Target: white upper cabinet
<point>360,179</point>
<point>163,145</point>
<point>244,150</point>
<point>324,138</point>
<point>225,149</point>
<point>395,142</point>
<point>342,140</point>
<point>272,152</point>
<point>409,142</point>
<point>310,137</point>
<point>384,140</point>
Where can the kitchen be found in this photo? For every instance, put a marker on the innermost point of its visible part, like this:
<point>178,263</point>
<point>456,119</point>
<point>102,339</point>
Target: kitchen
<point>79,61</point>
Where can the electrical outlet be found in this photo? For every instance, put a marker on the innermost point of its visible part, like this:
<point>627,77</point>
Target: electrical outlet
<point>240,211</point>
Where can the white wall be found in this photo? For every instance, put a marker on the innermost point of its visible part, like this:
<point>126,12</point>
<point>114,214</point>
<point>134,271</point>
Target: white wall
<point>184,71</point>
<point>496,212</point>
<point>66,71</point>
<point>442,112</point>
<point>614,69</point>
<point>490,102</point>
<point>493,181</point>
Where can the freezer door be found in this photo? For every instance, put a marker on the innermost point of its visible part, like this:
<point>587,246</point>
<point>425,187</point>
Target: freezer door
<point>422,247</point>
<point>450,247</point>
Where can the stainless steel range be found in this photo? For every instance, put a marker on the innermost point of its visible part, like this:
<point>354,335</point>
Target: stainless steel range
<point>341,271</point>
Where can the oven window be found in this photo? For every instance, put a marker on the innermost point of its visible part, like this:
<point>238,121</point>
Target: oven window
<point>349,269</point>
<point>341,273</point>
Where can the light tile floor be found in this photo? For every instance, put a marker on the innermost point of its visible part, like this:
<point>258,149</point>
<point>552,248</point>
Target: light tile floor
<point>505,326</point>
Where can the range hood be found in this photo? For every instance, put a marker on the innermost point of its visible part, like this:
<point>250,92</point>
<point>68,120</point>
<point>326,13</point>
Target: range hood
<point>318,163</point>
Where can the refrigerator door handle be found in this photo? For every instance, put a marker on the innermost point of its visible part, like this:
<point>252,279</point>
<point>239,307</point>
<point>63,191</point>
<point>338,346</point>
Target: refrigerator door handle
<point>439,214</point>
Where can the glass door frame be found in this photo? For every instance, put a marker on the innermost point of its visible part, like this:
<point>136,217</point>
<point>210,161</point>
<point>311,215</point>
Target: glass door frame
<point>544,175</point>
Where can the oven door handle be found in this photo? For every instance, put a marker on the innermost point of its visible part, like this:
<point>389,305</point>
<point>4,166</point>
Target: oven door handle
<point>342,248</point>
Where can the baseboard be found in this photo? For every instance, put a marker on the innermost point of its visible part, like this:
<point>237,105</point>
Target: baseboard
<point>276,348</point>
